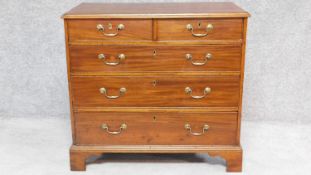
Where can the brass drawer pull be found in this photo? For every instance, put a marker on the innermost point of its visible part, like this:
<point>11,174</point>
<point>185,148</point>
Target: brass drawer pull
<point>122,127</point>
<point>206,91</point>
<point>208,56</point>
<point>101,28</point>
<point>103,57</point>
<point>209,27</point>
<point>204,129</point>
<point>104,91</point>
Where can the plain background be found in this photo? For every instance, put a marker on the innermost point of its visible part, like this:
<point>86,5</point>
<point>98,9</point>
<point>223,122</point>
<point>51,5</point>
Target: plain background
<point>34,104</point>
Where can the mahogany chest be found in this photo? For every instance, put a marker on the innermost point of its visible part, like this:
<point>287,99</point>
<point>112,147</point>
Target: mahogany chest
<point>156,78</point>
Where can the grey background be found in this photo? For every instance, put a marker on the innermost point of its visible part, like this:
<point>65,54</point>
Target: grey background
<point>34,106</point>
<point>278,64</point>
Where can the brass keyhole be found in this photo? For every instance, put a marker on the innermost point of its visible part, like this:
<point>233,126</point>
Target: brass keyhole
<point>199,24</point>
<point>154,118</point>
<point>154,83</point>
<point>109,26</point>
<point>154,53</point>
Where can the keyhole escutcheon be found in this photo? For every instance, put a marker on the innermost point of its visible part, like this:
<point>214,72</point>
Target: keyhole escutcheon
<point>154,82</point>
<point>109,26</point>
<point>154,53</point>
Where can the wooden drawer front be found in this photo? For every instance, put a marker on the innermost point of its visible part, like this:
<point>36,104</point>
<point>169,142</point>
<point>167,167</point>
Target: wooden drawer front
<point>158,91</point>
<point>156,128</point>
<point>202,58</point>
<point>87,29</point>
<point>222,29</point>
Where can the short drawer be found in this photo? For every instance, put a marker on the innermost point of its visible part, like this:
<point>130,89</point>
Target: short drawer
<point>112,29</point>
<point>111,128</point>
<point>159,58</point>
<point>157,91</point>
<point>199,29</point>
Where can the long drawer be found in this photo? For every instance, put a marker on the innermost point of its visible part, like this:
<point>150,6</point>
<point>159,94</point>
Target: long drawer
<point>159,58</point>
<point>155,91</point>
<point>113,128</point>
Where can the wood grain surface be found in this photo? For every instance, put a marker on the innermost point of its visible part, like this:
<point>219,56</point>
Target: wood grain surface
<point>176,29</point>
<point>163,128</point>
<point>134,29</point>
<point>168,91</point>
<point>158,58</point>
<point>155,10</point>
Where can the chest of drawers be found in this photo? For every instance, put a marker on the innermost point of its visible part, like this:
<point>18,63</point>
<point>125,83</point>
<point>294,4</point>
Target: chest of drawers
<point>156,78</point>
